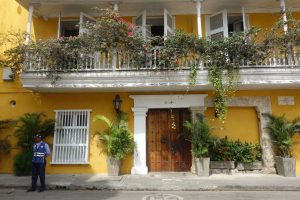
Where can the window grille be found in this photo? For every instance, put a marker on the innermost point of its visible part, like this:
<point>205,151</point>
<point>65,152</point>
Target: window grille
<point>71,137</point>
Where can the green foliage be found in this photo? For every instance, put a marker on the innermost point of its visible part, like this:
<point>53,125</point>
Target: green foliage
<point>228,150</point>
<point>5,145</point>
<point>15,51</point>
<point>116,139</point>
<point>29,125</point>
<point>23,163</point>
<point>286,42</point>
<point>223,59</point>
<point>178,49</point>
<point>282,131</point>
<point>200,136</point>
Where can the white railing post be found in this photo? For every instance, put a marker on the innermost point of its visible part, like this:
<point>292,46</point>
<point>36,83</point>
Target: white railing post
<point>114,59</point>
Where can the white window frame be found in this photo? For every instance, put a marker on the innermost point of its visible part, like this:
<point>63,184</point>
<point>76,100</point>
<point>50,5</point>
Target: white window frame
<point>223,29</point>
<point>81,21</point>
<point>167,28</point>
<point>55,159</point>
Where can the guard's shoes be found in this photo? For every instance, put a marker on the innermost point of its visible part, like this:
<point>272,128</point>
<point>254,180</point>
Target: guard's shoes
<point>30,190</point>
<point>41,189</point>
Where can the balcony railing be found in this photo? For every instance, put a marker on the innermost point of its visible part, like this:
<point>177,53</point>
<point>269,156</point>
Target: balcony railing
<point>121,60</point>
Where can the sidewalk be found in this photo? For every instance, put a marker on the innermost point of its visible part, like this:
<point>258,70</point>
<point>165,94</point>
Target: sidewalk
<point>160,182</point>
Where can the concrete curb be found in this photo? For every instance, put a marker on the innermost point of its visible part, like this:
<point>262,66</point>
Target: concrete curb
<point>128,188</point>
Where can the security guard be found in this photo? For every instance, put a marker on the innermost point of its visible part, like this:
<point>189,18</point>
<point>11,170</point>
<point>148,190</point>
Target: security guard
<point>40,152</point>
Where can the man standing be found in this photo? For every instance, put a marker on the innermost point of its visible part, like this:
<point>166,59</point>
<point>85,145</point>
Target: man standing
<point>40,151</point>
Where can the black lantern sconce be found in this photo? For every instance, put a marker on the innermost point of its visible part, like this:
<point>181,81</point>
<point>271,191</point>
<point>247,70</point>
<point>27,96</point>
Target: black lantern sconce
<point>117,103</point>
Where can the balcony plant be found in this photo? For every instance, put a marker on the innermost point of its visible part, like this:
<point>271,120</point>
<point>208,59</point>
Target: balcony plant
<point>285,42</point>
<point>201,138</point>
<point>27,126</point>
<point>117,141</point>
<point>282,132</point>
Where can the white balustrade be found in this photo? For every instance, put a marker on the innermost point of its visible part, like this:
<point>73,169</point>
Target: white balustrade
<point>117,60</point>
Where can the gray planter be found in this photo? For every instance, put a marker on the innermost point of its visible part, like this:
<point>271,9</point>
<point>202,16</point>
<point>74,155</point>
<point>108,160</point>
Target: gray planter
<point>113,166</point>
<point>250,166</point>
<point>285,166</point>
<point>222,165</point>
<point>202,166</point>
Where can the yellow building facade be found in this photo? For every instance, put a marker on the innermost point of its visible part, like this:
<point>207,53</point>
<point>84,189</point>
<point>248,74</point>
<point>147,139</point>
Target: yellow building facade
<point>243,122</point>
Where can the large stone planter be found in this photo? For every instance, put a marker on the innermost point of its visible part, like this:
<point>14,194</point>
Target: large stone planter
<point>285,166</point>
<point>202,166</point>
<point>113,166</point>
<point>222,165</point>
<point>250,166</point>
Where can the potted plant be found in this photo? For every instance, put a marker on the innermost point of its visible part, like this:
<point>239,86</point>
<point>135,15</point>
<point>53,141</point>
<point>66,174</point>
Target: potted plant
<point>117,141</point>
<point>200,137</point>
<point>282,131</point>
<point>222,156</point>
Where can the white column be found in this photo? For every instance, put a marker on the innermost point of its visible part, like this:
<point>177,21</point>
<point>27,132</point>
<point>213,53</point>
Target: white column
<point>244,20</point>
<point>116,7</point>
<point>59,25</point>
<point>283,9</point>
<point>29,22</point>
<point>199,23</point>
<point>140,153</point>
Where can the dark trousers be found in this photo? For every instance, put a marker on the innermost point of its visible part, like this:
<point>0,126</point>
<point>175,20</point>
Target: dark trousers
<point>38,170</point>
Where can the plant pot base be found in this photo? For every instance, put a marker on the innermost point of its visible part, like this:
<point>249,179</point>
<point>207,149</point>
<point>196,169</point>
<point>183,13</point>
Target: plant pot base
<point>202,166</point>
<point>285,166</point>
<point>113,167</point>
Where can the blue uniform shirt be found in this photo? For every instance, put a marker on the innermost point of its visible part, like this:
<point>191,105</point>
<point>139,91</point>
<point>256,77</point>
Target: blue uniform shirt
<point>36,146</point>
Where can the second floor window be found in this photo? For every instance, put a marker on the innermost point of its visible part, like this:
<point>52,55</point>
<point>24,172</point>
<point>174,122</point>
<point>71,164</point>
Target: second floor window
<point>69,28</point>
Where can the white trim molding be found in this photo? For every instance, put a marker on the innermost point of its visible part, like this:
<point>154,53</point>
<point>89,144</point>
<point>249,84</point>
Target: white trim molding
<point>141,105</point>
<point>142,81</point>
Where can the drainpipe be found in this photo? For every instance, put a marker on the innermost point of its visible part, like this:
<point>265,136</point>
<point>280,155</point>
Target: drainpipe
<point>29,22</point>
<point>199,23</point>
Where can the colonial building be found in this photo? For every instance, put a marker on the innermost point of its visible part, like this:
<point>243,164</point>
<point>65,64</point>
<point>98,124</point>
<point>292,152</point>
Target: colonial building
<point>148,95</point>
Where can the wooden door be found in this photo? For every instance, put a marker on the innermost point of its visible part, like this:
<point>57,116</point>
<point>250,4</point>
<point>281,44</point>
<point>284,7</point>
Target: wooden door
<point>167,147</point>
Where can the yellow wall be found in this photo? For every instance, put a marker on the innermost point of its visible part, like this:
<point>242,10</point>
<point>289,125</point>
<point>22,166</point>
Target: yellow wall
<point>242,123</point>
<point>236,127</point>
<point>188,23</point>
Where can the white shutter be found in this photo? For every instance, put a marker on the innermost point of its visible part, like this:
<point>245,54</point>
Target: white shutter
<point>217,25</point>
<point>84,18</point>
<point>141,22</point>
<point>168,23</point>
<point>71,137</point>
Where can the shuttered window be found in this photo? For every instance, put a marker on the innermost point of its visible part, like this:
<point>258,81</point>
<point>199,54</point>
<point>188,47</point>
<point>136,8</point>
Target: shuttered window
<point>71,137</point>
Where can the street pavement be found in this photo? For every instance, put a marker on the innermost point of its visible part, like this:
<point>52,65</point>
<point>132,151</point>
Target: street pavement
<point>160,182</point>
<point>11,194</point>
